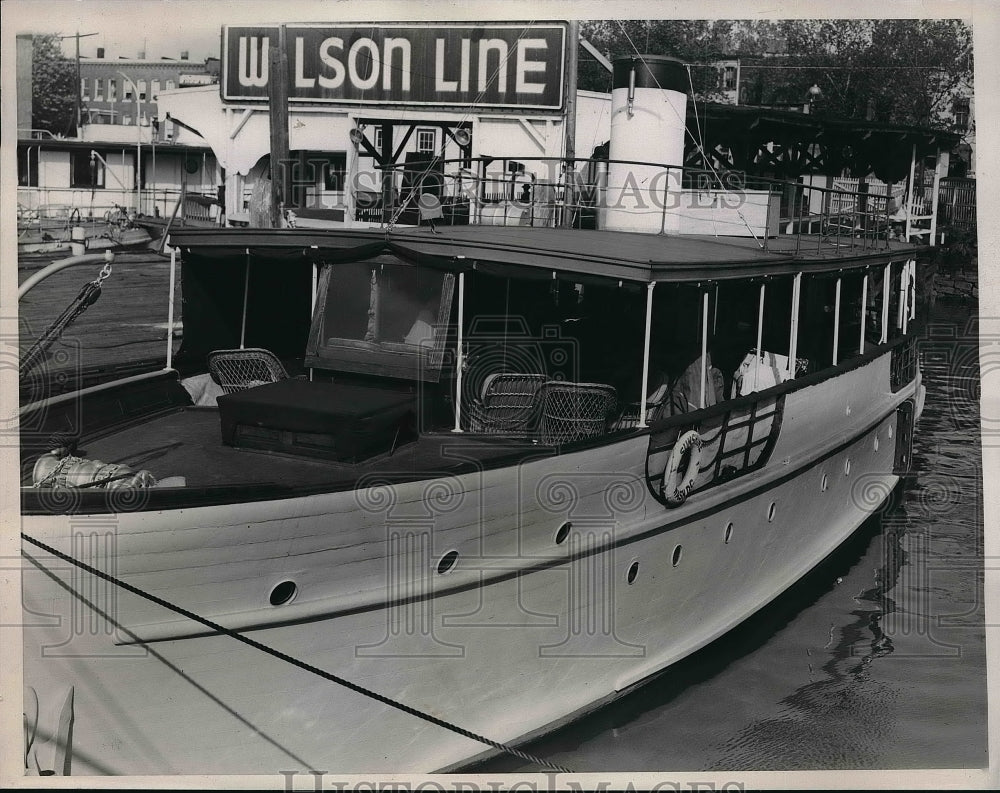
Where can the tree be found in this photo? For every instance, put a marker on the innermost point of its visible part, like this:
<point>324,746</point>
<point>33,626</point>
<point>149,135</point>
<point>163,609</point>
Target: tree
<point>53,87</point>
<point>898,71</point>
<point>696,42</point>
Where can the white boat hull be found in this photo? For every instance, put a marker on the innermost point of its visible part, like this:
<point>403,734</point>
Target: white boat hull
<point>524,633</point>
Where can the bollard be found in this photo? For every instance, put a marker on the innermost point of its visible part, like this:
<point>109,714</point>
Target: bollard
<point>78,240</point>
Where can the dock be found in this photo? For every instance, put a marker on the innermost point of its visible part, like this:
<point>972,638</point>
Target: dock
<point>124,332</point>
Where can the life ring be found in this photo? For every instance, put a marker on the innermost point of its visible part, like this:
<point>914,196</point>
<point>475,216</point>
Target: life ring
<point>675,489</point>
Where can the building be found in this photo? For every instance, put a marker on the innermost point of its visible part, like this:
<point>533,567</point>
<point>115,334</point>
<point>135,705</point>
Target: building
<point>121,90</point>
<point>124,153</point>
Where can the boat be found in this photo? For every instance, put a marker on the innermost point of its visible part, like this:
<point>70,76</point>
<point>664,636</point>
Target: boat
<point>62,229</point>
<point>410,496</point>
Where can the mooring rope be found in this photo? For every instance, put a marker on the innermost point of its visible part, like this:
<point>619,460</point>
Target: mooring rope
<point>503,747</point>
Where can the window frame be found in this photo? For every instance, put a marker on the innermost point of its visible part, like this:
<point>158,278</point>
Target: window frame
<point>101,171</point>
<point>421,132</point>
<point>385,358</point>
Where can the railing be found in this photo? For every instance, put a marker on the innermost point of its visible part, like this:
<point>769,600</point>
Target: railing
<point>957,203</point>
<point>735,441</point>
<point>669,199</point>
<point>94,204</point>
<point>903,364</point>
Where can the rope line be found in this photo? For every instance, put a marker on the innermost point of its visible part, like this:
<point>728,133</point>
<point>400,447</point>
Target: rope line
<point>503,747</point>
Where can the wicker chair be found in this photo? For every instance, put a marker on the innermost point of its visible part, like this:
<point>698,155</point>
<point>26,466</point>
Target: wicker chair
<point>629,414</point>
<point>571,411</point>
<point>238,370</point>
<point>508,404</point>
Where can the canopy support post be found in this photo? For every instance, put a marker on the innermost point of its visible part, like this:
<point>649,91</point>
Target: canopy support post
<point>246,292</point>
<point>704,345</point>
<point>793,346</point>
<point>645,353</point>
<point>864,314</point>
<point>760,334</point>
<point>170,308</point>
<point>460,354</point>
<point>885,304</point>
<point>836,323</point>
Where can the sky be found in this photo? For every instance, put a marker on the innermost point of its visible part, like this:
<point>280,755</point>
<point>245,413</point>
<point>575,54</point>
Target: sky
<point>165,27</point>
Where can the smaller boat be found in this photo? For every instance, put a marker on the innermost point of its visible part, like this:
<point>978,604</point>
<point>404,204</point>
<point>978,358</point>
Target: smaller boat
<point>54,229</point>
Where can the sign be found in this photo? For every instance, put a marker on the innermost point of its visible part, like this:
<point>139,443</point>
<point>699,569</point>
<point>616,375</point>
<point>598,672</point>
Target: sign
<point>496,65</point>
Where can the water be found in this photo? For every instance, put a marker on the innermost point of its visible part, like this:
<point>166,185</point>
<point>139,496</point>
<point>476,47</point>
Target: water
<point>876,661</point>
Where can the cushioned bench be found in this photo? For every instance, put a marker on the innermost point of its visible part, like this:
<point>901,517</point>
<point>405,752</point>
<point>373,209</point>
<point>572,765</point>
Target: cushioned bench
<point>329,420</point>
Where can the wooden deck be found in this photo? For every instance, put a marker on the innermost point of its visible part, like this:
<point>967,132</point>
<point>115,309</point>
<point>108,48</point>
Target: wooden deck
<point>188,443</point>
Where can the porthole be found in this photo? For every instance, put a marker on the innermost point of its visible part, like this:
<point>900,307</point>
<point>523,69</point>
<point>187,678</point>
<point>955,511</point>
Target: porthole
<point>770,512</point>
<point>875,443</point>
<point>283,593</point>
<point>447,562</point>
<point>847,467</point>
<point>633,572</point>
<point>563,532</point>
<point>890,433</point>
<point>729,533</point>
<point>676,558</point>
<point>824,483</point>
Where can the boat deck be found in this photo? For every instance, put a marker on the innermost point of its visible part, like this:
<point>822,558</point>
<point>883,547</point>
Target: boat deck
<point>188,443</point>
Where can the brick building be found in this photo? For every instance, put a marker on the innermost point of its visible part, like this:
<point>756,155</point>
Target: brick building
<point>120,90</point>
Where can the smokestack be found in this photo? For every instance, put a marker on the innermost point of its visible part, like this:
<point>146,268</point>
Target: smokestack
<point>648,124</point>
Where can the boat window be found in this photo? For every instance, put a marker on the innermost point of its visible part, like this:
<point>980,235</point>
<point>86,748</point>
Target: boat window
<point>819,316</point>
<point>86,171</point>
<point>381,316</point>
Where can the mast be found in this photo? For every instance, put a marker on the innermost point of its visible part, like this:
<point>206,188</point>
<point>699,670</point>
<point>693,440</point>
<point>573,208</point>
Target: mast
<point>569,93</point>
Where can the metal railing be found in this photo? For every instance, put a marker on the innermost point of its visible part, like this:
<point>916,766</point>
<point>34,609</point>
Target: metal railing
<point>94,204</point>
<point>550,192</point>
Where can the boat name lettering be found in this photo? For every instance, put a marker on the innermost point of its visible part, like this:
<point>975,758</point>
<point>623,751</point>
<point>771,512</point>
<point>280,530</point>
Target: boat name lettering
<point>516,66</point>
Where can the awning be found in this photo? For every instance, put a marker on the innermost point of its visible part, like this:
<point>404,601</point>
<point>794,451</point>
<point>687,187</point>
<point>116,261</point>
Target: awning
<point>541,252</point>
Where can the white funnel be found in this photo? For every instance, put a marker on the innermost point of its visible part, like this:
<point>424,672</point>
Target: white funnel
<point>648,107</point>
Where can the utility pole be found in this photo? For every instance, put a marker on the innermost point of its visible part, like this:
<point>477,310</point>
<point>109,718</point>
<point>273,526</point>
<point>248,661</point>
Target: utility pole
<point>278,84</point>
<point>572,59</point>
<point>79,101</point>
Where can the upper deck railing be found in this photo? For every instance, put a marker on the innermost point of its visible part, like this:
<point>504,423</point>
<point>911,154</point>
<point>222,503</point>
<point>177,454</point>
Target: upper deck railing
<point>789,216</point>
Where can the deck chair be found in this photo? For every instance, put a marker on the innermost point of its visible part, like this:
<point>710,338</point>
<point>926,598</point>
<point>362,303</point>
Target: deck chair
<point>238,370</point>
<point>629,414</point>
<point>508,404</point>
<point>571,411</point>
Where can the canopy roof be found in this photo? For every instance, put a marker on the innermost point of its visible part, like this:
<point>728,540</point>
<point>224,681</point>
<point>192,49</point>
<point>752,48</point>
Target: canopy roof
<point>542,252</point>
